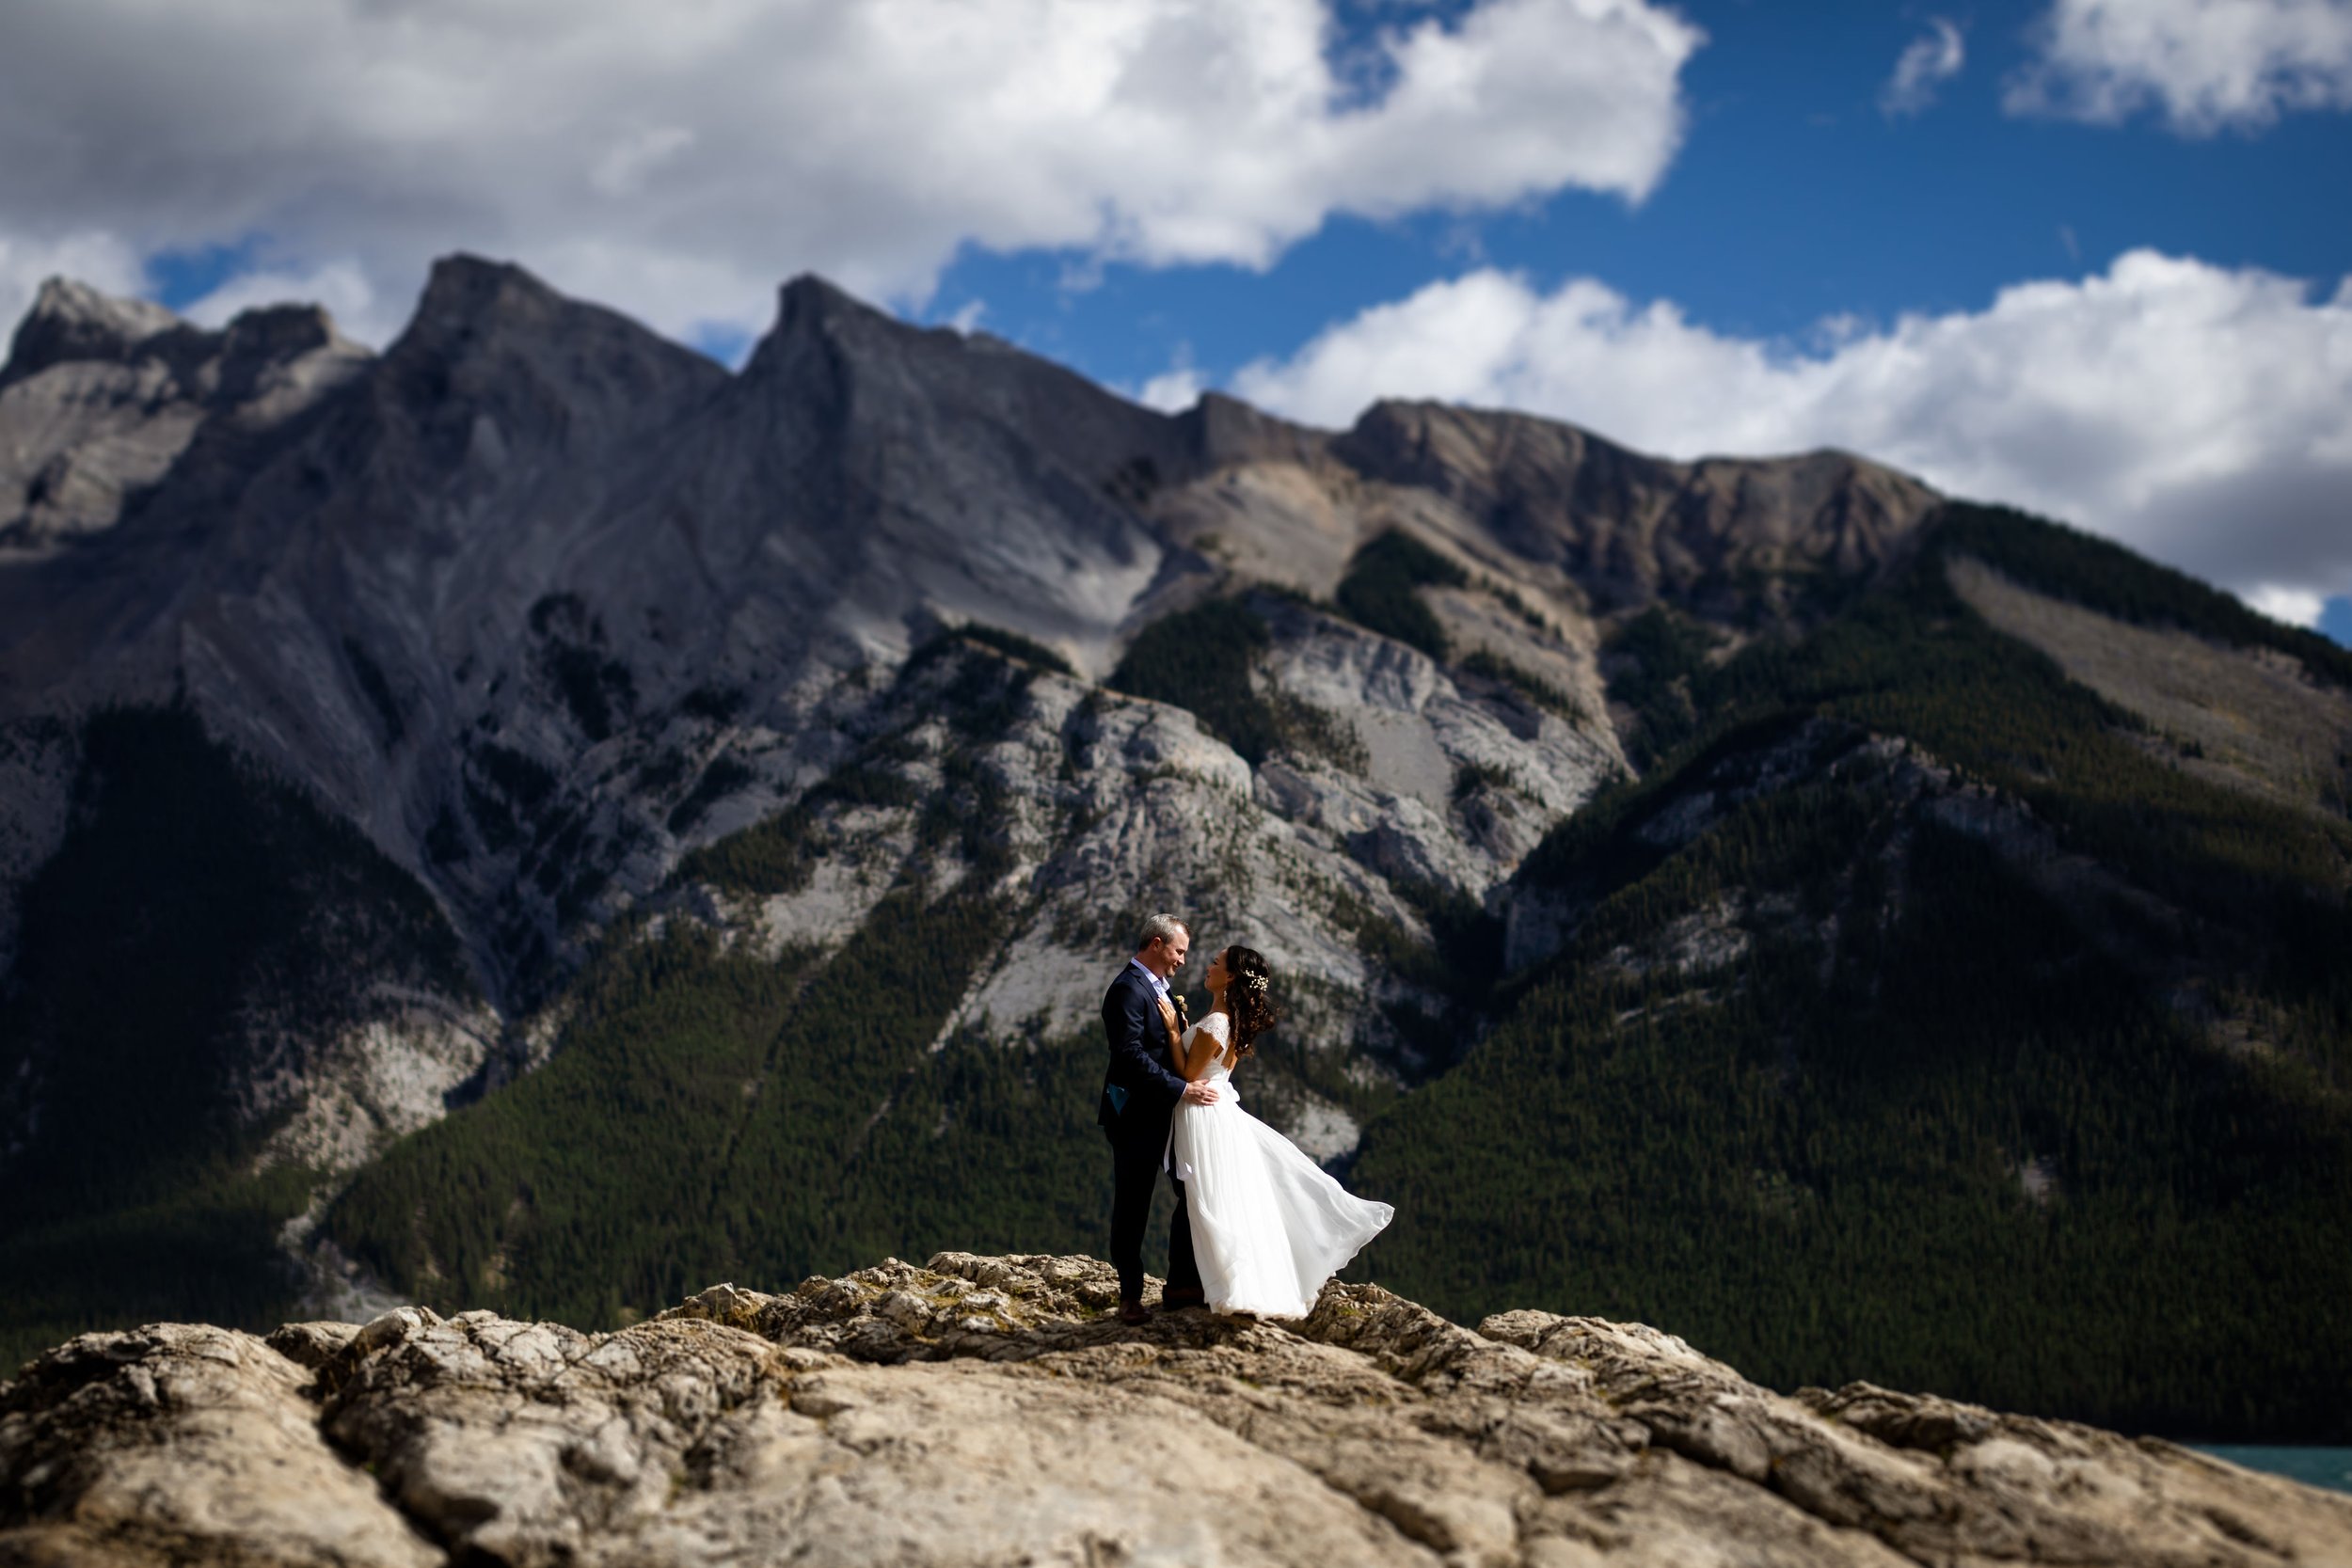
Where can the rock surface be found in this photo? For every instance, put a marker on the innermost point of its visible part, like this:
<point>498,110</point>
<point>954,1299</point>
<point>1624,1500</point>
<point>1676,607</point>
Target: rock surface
<point>988,1410</point>
<point>101,397</point>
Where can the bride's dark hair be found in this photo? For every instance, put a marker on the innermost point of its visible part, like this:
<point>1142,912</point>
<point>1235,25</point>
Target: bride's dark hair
<point>1254,1010</point>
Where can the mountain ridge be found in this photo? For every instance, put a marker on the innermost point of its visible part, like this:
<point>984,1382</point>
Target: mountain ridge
<point>786,749</point>
<point>448,426</point>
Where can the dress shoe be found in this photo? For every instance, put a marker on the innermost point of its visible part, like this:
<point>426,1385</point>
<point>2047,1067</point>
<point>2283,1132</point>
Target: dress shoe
<point>1134,1312</point>
<point>1170,1300</point>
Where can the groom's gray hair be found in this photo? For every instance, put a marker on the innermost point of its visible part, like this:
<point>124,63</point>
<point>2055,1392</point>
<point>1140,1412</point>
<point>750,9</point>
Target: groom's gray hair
<point>1161,927</point>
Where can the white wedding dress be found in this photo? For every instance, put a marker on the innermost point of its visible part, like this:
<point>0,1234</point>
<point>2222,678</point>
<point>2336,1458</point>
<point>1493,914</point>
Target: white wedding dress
<point>1269,1226</point>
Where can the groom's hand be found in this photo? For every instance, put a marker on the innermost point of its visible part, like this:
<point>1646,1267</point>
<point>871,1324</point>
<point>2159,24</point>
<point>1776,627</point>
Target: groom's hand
<point>1200,1092</point>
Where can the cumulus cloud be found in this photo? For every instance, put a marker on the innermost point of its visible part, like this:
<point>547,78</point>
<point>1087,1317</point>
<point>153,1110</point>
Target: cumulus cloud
<point>676,160</point>
<point>341,286</point>
<point>2295,606</point>
<point>1175,388</point>
<point>2201,414</point>
<point>1929,63</point>
<point>2207,65</point>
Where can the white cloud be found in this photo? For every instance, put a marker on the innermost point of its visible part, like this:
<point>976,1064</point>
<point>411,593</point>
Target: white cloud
<point>2202,415</point>
<point>2209,65</point>
<point>341,287</point>
<point>1172,391</point>
<point>2295,606</point>
<point>677,160</point>
<point>1924,66</point>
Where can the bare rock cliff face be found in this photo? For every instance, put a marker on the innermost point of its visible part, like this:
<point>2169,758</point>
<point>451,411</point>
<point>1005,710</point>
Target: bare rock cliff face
<point>101,397</point>
<point>988,1410</point>
<point>1627,528</point>
<point>532,530</point>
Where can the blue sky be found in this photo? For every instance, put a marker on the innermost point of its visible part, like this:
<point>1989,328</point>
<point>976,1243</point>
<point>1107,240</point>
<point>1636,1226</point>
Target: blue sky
<point>1735,241</point>
<point>1794,199</point>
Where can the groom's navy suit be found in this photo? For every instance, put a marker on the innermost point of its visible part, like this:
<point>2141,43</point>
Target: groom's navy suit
<point>1139,1093</point>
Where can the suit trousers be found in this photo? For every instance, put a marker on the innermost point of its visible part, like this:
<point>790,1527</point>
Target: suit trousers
<point>1134,1172</point>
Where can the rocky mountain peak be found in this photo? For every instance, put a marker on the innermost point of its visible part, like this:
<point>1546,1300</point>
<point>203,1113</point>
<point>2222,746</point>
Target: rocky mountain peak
<point>812,311</point>
<point>497,365</point>
<point>495,318</point>
<point>493,329</point>
<point>278,332</point>
<point>465,293</point>
<point>808,300</point>
<point>104,396</point>
<point>71,321</point>
<point>267,348</point>
<point>798,351</point>
<point>1225,430</point>
<point>1633,529</point>
<point>1483,457</point>
<point>912,381</point>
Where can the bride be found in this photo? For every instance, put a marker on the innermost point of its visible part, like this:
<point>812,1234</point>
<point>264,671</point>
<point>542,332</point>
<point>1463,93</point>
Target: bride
<point>1268,1224</point>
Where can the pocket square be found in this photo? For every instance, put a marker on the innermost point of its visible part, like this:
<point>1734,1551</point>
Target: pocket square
<point>1117,1095</point>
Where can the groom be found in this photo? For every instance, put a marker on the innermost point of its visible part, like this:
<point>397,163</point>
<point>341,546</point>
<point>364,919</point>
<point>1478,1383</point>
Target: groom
<point>1142,1019</point>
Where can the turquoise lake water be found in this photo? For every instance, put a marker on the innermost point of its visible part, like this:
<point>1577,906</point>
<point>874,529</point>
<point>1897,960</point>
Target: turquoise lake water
<point>2328,1467</point>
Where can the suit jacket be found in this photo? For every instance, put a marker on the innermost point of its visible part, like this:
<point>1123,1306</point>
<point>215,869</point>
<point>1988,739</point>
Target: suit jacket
<point>1139,1088</point>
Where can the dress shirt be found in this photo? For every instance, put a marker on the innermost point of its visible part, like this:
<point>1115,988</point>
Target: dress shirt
<point>1159,987</point>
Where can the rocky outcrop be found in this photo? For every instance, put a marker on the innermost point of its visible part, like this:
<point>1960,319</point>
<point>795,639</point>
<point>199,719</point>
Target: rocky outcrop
<point>183,1442</point>
<point>987,1410</point>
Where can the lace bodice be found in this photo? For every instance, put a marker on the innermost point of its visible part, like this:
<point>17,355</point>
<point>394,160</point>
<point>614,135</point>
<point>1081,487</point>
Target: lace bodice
<point>1221,1029</point>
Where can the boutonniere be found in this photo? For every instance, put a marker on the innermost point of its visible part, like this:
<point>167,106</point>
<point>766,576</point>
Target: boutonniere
<point>1184,1014</point>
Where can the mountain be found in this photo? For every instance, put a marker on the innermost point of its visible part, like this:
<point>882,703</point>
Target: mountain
<point>1926,965</point>
<point>990,1410</point>
<point>534,817</point>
